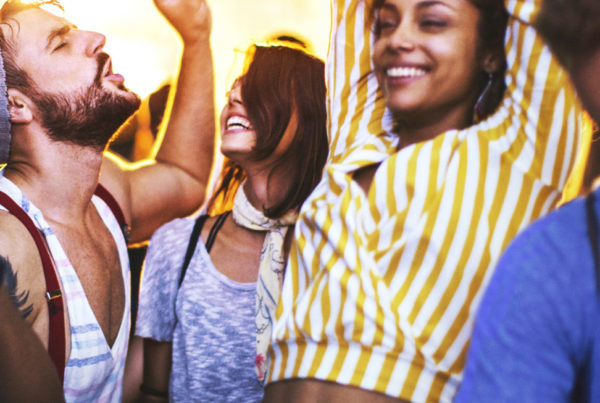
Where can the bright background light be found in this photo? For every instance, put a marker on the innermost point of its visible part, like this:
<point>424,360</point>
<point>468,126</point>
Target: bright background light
<point>146,50</point>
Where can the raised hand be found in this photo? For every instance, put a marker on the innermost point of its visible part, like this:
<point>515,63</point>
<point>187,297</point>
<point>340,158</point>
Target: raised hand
<point>190,18</point>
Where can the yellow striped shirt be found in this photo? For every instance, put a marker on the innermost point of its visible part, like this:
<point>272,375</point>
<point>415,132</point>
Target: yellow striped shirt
<point>381,289</point>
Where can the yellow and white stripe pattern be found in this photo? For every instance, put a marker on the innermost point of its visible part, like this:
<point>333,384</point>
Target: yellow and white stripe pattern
<point>381,289</point>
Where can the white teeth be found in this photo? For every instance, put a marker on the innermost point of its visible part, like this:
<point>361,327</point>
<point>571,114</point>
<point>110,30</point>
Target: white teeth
<point>238,121</point>
<point>405,72</point>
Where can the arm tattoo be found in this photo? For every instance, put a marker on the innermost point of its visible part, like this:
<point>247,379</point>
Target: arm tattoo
<point>8,276</point>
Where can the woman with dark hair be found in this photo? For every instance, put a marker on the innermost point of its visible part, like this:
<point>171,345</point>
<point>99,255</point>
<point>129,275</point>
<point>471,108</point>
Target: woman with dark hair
<point>204,316</point>
<point>466,80</point>
<point>430,179</point>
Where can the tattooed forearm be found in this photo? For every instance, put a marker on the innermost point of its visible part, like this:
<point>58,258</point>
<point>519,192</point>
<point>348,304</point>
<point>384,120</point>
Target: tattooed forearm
<point>9,277</point>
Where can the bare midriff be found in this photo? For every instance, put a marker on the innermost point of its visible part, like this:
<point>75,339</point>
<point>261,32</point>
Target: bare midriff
<point>316,391</point>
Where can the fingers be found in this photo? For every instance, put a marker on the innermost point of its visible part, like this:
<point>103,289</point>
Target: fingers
<point>190,18</point>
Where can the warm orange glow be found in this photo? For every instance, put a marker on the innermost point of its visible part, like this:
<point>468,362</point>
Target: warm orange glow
<point>146,50</point>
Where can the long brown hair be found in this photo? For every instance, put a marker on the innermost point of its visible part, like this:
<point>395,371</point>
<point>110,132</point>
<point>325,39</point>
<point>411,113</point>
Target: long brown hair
<point>279,80</point>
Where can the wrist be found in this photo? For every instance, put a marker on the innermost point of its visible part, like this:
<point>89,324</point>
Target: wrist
<point>198,41</point>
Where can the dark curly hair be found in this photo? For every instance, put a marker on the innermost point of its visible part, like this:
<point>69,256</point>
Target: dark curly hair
<point>571,27</point>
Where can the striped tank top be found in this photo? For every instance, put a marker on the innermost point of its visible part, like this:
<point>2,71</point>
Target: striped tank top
<point>94,371</point>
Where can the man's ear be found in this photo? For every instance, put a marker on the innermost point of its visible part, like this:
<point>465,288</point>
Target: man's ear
<point>19,107</point>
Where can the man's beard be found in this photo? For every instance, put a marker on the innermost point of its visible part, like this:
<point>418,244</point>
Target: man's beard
<point>87,118</point>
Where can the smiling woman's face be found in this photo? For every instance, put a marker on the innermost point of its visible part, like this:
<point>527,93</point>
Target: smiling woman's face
<point>238,137</point>
<point>426,57</point>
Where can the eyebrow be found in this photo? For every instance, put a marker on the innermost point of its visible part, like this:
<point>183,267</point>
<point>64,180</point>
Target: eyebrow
<point>431,3</point>
<point>59,31</point>
<point>420,5</point>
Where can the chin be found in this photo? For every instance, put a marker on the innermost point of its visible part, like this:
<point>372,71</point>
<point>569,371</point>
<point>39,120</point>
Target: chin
<point>236,148</point>
<point>403,108</point>
<point>119,88</point>
<point>127,94</point>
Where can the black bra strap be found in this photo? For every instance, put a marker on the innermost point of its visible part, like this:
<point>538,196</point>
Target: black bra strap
<point>195,235</point>
<point>192,245</point>
<point>215,228</point>
<point>592,226</point>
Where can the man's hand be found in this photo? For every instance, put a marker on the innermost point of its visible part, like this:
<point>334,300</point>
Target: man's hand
<point>190,18</point>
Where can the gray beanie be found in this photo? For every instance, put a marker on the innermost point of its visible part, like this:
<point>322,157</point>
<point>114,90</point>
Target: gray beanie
<point>4,116</point>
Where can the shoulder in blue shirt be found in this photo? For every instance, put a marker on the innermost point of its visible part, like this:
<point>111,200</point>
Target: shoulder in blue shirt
<point>537,332</point>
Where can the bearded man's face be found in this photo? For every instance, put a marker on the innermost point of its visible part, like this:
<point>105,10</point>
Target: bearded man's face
<point>77,97</point>
<point>88,117</point>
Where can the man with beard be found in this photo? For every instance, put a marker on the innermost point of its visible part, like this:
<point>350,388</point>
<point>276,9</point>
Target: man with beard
<point>62,234</point>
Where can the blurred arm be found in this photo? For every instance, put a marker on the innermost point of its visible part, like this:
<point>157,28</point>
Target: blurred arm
<point>157,368</point>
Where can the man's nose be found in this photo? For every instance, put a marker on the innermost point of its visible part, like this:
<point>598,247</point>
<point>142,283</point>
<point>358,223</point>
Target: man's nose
<point>94,42</point>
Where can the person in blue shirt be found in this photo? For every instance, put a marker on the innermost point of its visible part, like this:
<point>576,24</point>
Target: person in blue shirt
<point>537,332</point>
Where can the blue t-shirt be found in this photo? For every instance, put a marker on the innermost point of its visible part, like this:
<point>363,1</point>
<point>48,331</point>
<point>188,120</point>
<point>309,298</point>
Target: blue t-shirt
<point>537,332</point>
<point>209,320</point>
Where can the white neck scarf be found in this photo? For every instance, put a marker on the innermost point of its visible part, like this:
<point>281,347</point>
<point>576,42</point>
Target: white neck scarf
<point>270,272</point>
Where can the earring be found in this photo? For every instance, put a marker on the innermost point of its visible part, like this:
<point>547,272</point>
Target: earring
<point>479,107</point>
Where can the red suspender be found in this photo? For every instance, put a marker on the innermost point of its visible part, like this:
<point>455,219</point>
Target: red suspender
<point>110,201</point>
<point>56,338</point>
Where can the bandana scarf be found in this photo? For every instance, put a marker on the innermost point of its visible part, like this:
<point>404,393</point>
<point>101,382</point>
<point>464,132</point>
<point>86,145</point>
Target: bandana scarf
<point>270,272</point>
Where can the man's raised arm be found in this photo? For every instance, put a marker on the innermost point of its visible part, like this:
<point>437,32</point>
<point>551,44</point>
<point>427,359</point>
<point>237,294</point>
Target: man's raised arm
<point>174,184</point>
